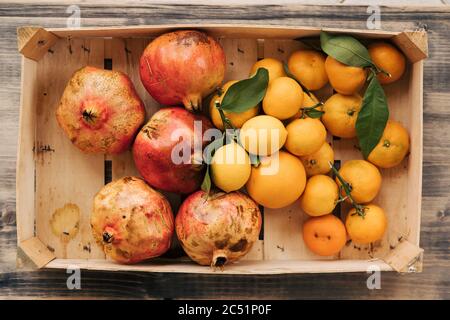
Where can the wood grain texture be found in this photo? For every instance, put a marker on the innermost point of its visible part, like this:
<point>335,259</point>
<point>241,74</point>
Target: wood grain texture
<point>435,226</point>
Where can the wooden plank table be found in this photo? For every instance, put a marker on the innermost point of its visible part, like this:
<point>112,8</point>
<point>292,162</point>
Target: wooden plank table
<point>433,282</point>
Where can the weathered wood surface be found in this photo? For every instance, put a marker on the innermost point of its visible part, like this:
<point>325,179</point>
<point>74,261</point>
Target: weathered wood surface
<point>434,282</point>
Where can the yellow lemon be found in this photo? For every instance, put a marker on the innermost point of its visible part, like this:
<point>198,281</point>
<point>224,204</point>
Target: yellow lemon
<point>318,162</point>
<point>283,99</point>
<point>367,229</point>
<point>392,147</point>
<point>320,196</point>
<point>343,78</point>
<point>364,180</point>
<point>308,66</point>
<point>230,167</point>
<point>340,114</point>
<point>236,118</point>
<point>278,181</point>
<point>305,136</point>
<point>273,66</point>
<point>263,135</point>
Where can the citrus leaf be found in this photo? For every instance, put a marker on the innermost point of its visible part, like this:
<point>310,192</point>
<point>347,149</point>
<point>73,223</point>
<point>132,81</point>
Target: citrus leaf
<point>246,94</point>
<point>372,117</point>
<point>345,49</point>
<point>290,75</point>
<point>313,113</point>
<point>206,184</point>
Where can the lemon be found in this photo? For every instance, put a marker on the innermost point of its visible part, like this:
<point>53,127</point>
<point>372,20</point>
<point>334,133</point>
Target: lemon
<point>283,99</point>
<point>236,118</point>
<point>278,181</point>
<point>318,162</point>
<point>305,136</point>
<point>263,135</point>
<point>230,167</point>
<point>273,66</point>
<point>320,196</point>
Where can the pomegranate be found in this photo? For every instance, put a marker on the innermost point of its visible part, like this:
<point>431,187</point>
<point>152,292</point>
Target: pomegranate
<point>132,221</point>
<point>219,228</point>
<point>182,67</point>
<point>100,111</point>
<point>168,151</point>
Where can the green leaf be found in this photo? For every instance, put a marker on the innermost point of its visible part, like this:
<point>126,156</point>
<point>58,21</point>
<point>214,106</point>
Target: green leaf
<point>372,117</point>
<point>206,184</point>
<point>208,153</point>
<point>314,113</point>
<point>246,94</point>
<point>346,50</point>
<point>290,75</point>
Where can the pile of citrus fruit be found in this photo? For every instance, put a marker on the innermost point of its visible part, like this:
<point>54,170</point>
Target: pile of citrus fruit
<point>280,153</point>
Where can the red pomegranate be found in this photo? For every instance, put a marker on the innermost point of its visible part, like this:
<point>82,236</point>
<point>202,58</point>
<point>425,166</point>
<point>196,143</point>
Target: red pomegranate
<point>218,228</point>
<point>182,67</point>
<point>132,221</point>
<point>100,111</point>
<point>168,150</point>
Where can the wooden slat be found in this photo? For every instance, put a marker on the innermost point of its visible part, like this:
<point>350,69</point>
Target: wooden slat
<point>241,267</point>
<point>232,31</point>
<point>57,157</point>
<point>414,189</point>
<point>25,197</point>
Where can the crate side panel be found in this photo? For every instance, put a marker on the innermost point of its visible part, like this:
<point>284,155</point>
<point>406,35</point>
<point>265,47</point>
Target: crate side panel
<point>283,238</point>
<point>414,187</point>
<point>66,179</point>
<point>25,196</point>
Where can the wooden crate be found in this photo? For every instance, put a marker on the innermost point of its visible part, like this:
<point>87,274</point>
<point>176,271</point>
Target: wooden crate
<point>56,181</point>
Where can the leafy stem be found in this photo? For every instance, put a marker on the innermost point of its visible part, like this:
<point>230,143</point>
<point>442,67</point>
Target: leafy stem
<point>227,124</point>
<point>312,111</point>
<point>377,70</point>
<point>347,189</point>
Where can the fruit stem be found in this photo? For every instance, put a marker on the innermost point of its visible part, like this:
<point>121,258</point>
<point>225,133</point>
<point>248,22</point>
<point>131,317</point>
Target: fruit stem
<point>107,237</point>
<point>304,111</point>
<point>226,121</point>
<point>219,259</point>
<point>346,186</point>
<point>89,116</point>
<point>377,70</point>
<point>318,104</point>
